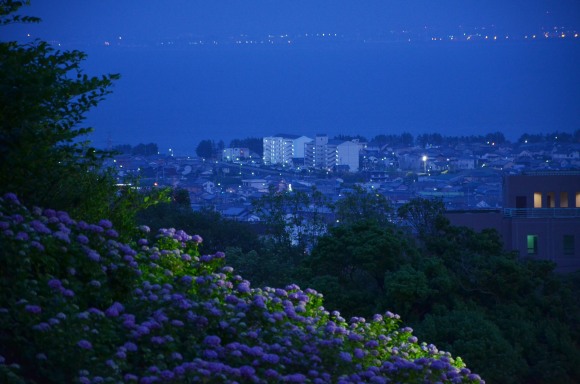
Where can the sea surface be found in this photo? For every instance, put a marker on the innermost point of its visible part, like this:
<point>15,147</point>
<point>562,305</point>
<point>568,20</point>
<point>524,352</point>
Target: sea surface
<point>176,97</point>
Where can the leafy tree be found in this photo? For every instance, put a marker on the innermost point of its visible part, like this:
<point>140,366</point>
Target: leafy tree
<point>44,155</point>
<point>292,218</point>
<point>206,149</point>
<point>513,295</point>
<point>271,208</point>
<point>362,205</point>
<point>218,233</point>
<point>355,259</point>
<point>181,198</point>
<point>495,137</point>
<point>350,138</point>
<point>422,215</point>
<point>145,149</point>
<point>44,98</point>
<point>429,139</point>
<point>471,332</point>
<point>405,139</point>
<point>122,148</point>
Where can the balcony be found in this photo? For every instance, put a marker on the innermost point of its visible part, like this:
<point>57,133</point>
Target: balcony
<point>544,213</point>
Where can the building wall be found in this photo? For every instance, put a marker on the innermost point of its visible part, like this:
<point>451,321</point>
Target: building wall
<point>319,153</point>
<point>549,243</point>
<point>348,154</point>
<point>540,218</point>
<point>231,154</point>
<point>277,150</point>
<point>281,150</point>
<point>549,189</point>
<point>299,146</point>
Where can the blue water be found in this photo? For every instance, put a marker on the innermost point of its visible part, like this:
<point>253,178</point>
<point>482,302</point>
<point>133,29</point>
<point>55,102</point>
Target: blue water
<point>177,97</point>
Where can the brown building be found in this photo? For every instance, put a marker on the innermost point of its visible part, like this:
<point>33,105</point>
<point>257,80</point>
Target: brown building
<point>540,217</point>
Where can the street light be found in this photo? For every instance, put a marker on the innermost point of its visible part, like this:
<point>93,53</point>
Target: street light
<point>425,163</point>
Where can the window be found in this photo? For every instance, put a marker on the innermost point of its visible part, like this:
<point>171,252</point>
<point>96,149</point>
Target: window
<point>577,199</point>
<point>550,200</point>
<point>532,244</point>
<point>563,199</point>
<point>538,199</point>
<point>568,244</point>
<point>521,202</point>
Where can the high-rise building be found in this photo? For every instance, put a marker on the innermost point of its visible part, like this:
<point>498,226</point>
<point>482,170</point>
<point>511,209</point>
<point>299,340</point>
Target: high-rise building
<point>323,153</point>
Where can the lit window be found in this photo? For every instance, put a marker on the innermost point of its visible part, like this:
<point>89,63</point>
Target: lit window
<point>537,200</point>
<point>568,244</point>
<point>532,244</point>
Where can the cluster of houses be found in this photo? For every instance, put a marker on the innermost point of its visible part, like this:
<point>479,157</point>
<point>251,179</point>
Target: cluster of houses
<point>465,176</point>
<point>302,152</point>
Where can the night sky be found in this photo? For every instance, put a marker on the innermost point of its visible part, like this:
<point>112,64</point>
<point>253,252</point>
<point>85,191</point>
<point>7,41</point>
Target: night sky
<point>176,98</point>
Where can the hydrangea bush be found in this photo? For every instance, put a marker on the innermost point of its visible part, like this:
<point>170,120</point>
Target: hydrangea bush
<point>77,305</point>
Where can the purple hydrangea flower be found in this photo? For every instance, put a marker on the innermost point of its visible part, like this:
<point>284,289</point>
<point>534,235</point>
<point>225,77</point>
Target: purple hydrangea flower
<point>39,227</point>
<point>62,236</point>
<point>55,284</point>
<point>43,327</point>
<point>131,347</point>
<point>82,239</point>
<point>243,287</point>
<point>22,236</point>
<point>85,344</point>
<point>112,233</point>
<point>213,341</point>
<point>114,310</point>
<point>11,197</point>
<point>106,224</point>
<point>35,309</point>
<point>37,245</point>
<point>345,356</point>
<point>271,358</point>
<point>93,255</point>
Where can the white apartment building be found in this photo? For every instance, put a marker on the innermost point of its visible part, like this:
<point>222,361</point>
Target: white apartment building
<point>323,153</point>
<point>283,148</point>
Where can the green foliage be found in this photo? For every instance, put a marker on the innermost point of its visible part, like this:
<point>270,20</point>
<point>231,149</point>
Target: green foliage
<point>357,257</point>
<point>483,343</point>
<point>423,215</point>
<point>206,149</point>
<point>219,233</point>
<point>292,218</point>
<point>44,155</point>
<point>7,10</point>
<point>77,305</point>
<point>461,290</point>
<point>362,205</point>
<point>138,150</point>
<point>404,139</point>
<point>269,265</point>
